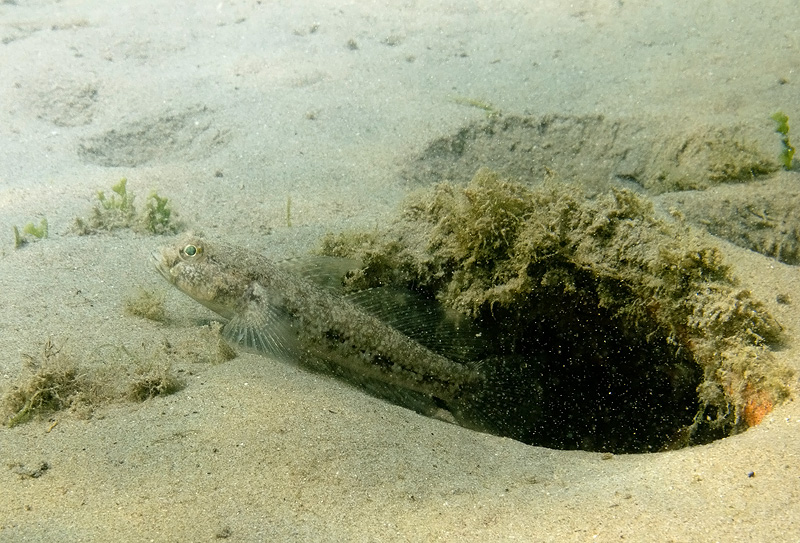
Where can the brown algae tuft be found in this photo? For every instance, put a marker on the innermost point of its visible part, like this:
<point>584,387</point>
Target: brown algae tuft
<point>148,304</point>
<point>52,382</point>
<point>153,378</point>
<point>636,329</point>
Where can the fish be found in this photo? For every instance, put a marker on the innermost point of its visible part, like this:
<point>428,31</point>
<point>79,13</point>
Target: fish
<point>273,310</point>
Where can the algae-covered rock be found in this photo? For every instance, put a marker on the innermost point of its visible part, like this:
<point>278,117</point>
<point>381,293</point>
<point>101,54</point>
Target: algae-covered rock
<point>639,334</point>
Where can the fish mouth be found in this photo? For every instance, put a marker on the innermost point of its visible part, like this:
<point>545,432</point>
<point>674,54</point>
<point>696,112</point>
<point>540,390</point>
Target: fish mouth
<point>157,258</point>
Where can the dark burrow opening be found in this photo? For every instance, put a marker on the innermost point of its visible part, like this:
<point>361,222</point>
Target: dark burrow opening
<point>568,376</point>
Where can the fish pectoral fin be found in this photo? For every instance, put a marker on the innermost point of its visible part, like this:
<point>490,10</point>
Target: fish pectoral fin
<point>261,326</point>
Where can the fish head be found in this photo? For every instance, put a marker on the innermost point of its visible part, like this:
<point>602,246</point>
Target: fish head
<point>203,271</point>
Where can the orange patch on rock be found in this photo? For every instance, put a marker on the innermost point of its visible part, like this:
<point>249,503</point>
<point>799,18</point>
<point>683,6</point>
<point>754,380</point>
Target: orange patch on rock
<point>759,405</point>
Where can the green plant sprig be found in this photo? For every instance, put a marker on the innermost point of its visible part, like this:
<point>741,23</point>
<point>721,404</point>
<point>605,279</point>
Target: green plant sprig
<point>30,229</point>
<point>782,128</point>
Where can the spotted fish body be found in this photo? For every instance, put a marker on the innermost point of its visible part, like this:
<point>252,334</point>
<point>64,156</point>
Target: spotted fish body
<point>279,313</point>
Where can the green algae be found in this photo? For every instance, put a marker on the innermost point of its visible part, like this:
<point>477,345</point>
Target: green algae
<point>38,232</point>
<point>157,216</point>
<point>598,282</point>
<point>117,210</point>
<point>57,380</point>
<point>491,111</point>
<point>30,232</point>
<point>782,128</point>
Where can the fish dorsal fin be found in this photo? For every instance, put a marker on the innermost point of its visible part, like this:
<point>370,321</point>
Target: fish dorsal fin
<point>326,272</point>
<point>428,322</point>
<point>262,326</point>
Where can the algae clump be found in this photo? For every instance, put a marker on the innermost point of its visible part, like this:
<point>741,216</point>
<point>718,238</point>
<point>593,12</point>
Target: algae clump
<point>640,336</point>
<point>782,128</point>
<point>53,382</point>
<point>157,216</point>
<point>148,304</point>
<point>39,232</point>
<point>153,378</point>
<point>115,211</point>
<point>118,210</point>
<point>30,229</point>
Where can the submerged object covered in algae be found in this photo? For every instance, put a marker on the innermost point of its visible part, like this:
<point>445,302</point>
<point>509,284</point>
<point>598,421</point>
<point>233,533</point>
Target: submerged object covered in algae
<point>650,341</point>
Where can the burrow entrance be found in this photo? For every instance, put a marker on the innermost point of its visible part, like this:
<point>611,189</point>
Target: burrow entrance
<point>609,326</point>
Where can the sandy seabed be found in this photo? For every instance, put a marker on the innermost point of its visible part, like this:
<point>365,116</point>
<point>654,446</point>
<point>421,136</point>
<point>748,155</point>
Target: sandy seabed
<point>231,108</point>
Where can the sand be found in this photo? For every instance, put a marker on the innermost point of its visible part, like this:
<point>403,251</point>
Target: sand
<point>231,108</point>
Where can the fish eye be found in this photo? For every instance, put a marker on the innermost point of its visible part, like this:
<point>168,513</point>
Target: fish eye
<point>192,250</point>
